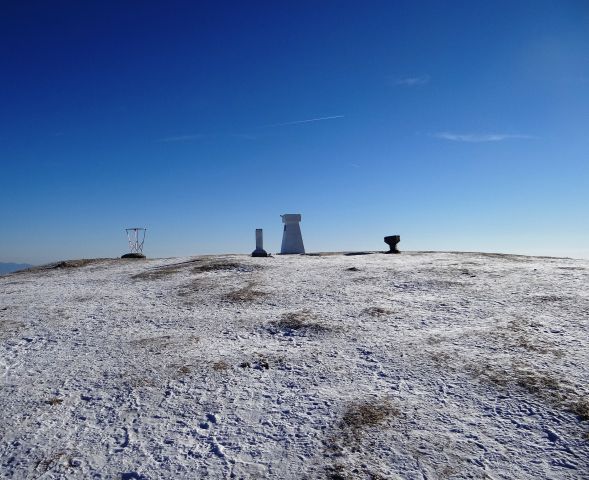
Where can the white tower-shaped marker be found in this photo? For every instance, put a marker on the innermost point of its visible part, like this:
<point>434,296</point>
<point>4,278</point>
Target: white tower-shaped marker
<point>292,239</point>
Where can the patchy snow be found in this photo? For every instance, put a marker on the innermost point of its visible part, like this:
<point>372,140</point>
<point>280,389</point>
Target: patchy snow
<point>414,366</point>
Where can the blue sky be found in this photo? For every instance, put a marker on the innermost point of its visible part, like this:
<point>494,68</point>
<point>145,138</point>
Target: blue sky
<point>458,125</point>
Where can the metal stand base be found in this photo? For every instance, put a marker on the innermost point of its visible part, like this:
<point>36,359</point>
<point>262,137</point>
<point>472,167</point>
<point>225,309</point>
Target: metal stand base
<point>133,255</point>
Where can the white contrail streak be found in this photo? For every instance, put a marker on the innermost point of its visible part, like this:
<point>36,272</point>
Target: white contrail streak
<point>309,120</point>
<point>480,137</point>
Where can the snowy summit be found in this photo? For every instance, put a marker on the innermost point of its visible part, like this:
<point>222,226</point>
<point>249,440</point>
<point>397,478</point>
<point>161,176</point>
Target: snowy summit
<point>413,366</point>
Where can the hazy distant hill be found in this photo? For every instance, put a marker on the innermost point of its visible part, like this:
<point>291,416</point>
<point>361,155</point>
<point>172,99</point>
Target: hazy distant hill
<point>12,267</point>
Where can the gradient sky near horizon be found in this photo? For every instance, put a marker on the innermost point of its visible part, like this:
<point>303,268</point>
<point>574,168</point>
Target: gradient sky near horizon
<point>460,125</point>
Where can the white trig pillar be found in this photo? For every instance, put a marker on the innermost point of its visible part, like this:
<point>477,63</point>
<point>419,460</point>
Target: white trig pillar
<point>259,239</point>
<point>259,251</point>
<point>292,239</point>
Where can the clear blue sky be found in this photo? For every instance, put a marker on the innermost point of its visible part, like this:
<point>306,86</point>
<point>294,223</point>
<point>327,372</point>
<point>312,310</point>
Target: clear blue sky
<point>458,125</point>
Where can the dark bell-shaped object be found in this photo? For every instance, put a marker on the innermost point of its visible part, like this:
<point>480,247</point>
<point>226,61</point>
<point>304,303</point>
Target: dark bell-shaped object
<point>392,241</point>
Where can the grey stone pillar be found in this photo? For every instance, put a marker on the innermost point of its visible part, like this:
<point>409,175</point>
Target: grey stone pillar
<point>259,251</point>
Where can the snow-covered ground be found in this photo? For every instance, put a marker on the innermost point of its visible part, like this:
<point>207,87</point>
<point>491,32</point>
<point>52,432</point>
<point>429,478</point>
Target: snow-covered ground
<point>415,366</point>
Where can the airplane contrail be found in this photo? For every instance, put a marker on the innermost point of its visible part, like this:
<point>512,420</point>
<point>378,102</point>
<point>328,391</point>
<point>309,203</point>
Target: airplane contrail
<point>298,122</point>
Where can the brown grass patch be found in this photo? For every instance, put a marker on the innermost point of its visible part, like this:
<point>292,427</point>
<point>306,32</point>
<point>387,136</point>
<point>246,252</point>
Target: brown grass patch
<point>221,366</point>
<point>140,382</point>
<point>543,385</point>
<point>297,323</point>
<point>378,311</point>
<point>549,298</point>
<point>67,264</point>
<point>487,373</point>
<point>441,358</point>
<point>368,413</point>
<point>527,344</point>
<point>193,286</point>
<point>198,266</point>
<point>44,465</point>
<point>536,382</point>
<point>156,274</point>
<point>245,294</point>
<point>259,362</point>
<point>10,328</point>
<point>435,339</point>
<point>263,361</point>
<point>163,271</point>
<point>223,266</point>
<point>581,409</point>
<point>359,419</point>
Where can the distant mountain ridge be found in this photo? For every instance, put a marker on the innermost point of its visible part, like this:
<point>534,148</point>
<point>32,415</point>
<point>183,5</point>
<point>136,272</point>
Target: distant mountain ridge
<point>12,267</point>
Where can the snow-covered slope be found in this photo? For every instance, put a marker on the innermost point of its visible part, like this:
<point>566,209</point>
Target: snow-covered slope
<point>413,366</point>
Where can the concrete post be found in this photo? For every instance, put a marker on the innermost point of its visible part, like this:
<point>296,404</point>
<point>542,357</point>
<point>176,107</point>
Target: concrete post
<point>292,239</point>
<point>259,251</point>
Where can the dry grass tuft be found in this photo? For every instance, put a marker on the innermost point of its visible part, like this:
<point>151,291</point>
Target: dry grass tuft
<point>198,266</point>
<point>549,298</point>
<point>341,472</point>
<point>369,413</point>
<point>263,361</point>
<point>77,263</point>
<point>65,264</point>
<point>441,358</point>
<point>543,385</point>
<point>259,363</point>
<point>378,311</point>
<point>527,344</point>
<point>297,323</point>
<point>536,382</point>
<point>581,409</point>
<point>487,373</point>
<point>245,294</point>
<point>140,382</point>
<point>194,286</point>
<point>156,273</point>
<point>336,472</point>
<point>44,465</point>
<point>221,266</point>
<point>221,366</point>
<point>10,328</point>
<point>435,339</point>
